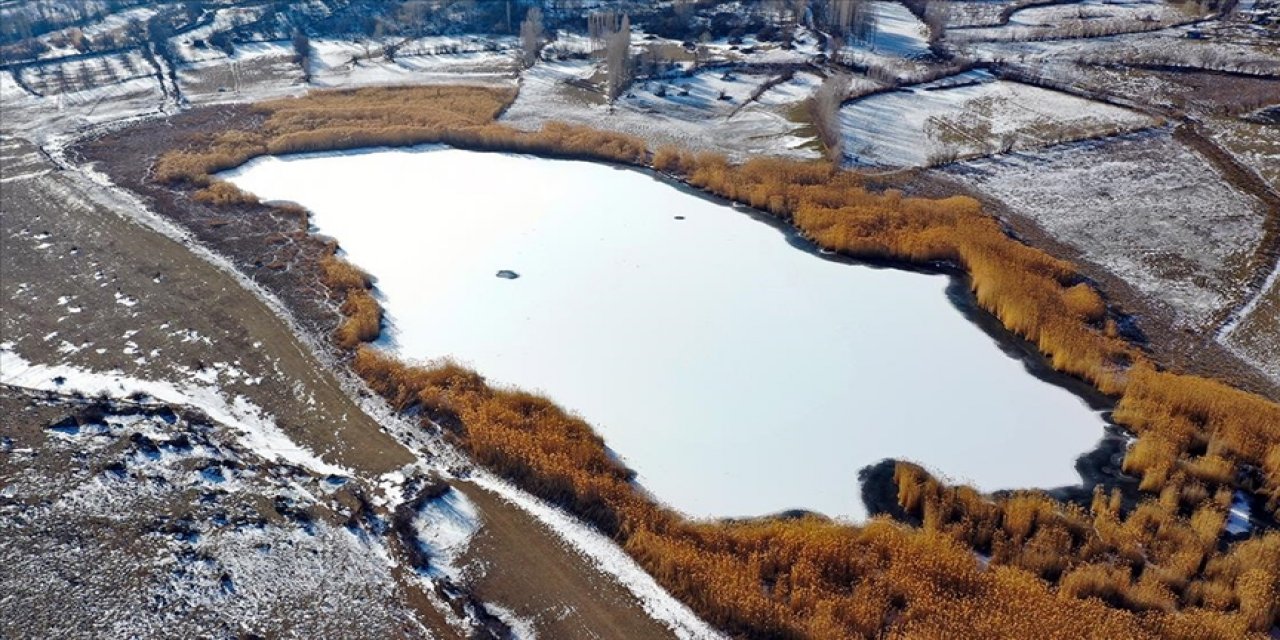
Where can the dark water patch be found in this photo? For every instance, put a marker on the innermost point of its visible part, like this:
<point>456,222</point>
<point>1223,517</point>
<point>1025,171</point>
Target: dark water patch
<point>880,492</point>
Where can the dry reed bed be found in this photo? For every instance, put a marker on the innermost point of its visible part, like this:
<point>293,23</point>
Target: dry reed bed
<point>1055,570</point>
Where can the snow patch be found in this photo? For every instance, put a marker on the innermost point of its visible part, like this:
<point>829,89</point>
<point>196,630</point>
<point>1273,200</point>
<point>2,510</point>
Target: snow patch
<point>257,430</point>
<point>444,528</point>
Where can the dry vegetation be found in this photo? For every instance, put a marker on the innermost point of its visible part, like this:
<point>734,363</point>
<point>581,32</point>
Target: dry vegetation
<point>329,121</point>
<point>1055,570</point>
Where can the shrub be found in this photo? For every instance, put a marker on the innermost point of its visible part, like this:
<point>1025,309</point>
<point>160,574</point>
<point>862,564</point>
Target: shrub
<point>221,193</point>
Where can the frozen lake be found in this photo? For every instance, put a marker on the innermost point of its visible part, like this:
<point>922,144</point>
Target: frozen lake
<point>736,373</point>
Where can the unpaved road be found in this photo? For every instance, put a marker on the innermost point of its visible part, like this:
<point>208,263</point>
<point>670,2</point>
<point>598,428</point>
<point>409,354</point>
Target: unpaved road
<point>564,595</point>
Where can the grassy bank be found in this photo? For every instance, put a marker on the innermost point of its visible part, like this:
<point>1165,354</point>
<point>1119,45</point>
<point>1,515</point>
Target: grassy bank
<point>1055,570</point>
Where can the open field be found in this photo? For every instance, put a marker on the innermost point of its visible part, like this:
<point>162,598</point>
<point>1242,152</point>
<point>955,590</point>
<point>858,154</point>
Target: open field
<point>1187,276</point>
<point>1184,239</point>
<point>68,251</point>
<point>126,521</point>
<point>972,114</point>
<point>1254,144</point>
<point>1256,335</point>
<point>562,92</point>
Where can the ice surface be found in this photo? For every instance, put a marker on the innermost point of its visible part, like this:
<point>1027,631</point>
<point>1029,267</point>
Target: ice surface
<point>737,374</point>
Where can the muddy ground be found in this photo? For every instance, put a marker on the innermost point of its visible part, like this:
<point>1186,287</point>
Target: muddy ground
<point>85,286</point>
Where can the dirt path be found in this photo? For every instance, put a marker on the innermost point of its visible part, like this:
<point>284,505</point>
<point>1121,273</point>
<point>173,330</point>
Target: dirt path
<point>524,566</point>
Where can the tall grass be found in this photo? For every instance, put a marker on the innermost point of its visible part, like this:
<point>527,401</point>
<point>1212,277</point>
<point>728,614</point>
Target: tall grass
<point>807,578</point>
<point>1041,298</point>
<point>351,287</point>
<point>1055,570</point>
<point>1163,556</point>
<point>337,120</point>
<point>224,193</point>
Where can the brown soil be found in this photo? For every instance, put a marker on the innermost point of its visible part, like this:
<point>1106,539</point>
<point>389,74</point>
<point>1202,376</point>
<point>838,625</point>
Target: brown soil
<point>526,567</point>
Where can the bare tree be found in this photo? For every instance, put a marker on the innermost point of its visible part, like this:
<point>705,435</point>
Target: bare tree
<point>863,24</point>
<point>85,76</point>
<point>60,76</point>
<point>618,59</point>
<point>840,15</point>
<point>701,48</point>
<point>850,19</point>
<point>800,11</point>
<point>824,110</point>
<point>413,16</point>
<point>600,25</point>
<point>531,35</point>
<point>302,53</point>
<point>936,15</point>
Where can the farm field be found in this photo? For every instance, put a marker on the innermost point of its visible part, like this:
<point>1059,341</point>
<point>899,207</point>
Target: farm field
<point>972,114</point>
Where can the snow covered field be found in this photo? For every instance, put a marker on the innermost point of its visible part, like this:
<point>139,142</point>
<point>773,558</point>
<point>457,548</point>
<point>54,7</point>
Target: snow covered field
<point>898,32</point>
<point>560,91</point>
<point>162,524</point>
<point>1166,46</point>
<point>737,374</point>
<point>1059,20</point>
<point>970,114</point>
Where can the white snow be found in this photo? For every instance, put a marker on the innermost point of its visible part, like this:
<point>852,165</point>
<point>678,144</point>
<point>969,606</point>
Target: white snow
<point>1238,516</point>
<point>1076,20</point>
<point>736,374</point>
<point>898,32</point>
<point>552,91</point>
<point>256,429</point>
<point>444,528</point>
<point>969,114</point>
<point>521,629</point>
<point>344,63</point>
